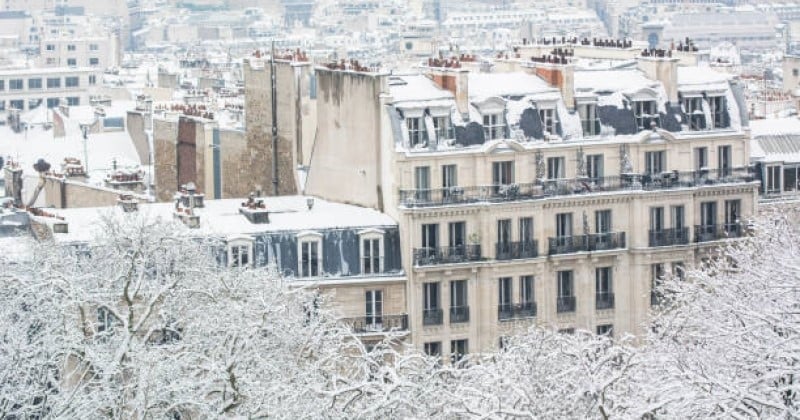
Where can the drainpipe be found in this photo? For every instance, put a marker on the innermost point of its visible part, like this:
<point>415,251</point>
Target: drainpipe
<point>274,122</point>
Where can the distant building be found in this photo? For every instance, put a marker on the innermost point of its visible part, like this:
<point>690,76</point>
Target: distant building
<point>27,89</point>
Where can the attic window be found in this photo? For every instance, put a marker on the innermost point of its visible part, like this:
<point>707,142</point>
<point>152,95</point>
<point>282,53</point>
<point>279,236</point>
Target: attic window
<point>548,117</point>
<point>240,252</point>
<point>310,252</point>
<point>493,126</point>
<point>589,121</point>
<point>443,128</point>
<point>717,105</point>
<point>645,113</point>
<point>416,131</point>
<point>693,109</point>
<point>396,81</point>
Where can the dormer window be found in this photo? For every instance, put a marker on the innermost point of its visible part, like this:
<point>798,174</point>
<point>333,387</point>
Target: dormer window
<point>372,251</point>
<point>548,117</point>
<point>646,113</point>
<point>443,128</point>
<point>310,252</point>
<point>589,121</point>
<point>493,126</point>
<point>416,131</point>
<point>693,108</point>
<point>717,108</point>
<point>240,252</point>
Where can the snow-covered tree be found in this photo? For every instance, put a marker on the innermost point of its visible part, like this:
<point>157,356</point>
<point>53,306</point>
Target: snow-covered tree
<point>726,342</point>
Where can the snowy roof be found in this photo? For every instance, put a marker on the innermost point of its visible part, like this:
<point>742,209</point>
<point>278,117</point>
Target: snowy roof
<point>222,217</point>
<point>625,80</point>
<point>705,78</point>
<point>486,85</point>
<point>416,87</point>
<point>775,140</point>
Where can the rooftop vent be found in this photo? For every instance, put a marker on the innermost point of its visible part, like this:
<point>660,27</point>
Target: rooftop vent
<point>254,210</point>
<point>128,203</point>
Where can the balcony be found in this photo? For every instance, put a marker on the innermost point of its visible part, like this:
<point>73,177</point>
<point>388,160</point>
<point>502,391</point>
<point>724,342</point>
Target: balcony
<point>655,298</point>
<point>706,233</point>
<point>669,237</point>
<point>516,250</point>
<point>459,314</point>
<point>604,301</point>
<point>377,324</point>
<point>432,316</point>
<point>447,255</point>
<point>591,242</point>
<point>572,186</point>
<point>565,304</point>
<point>510,311</point>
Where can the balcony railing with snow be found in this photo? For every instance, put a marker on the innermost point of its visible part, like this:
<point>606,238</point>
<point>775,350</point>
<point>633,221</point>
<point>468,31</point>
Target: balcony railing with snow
<point>706,233</point>
<point>377,323</point>
<point>499,193</point>
<point>447,255</point>
<point>591,242</point>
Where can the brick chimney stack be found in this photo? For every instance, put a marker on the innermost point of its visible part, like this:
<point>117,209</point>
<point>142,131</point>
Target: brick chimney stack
<point>449,75</point>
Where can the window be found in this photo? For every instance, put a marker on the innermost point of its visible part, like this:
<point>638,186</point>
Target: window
<point>717,105</point>
<point>563,225</point>
<point>693,109</point>
<point>457,235</point>
<point>92,80</point>
<point>708,213</point>
<point>565,301</point>
<point>417,135</point>
<point>548,117</point>
<point>35,83</point>
<point>724,158</point>
<point>449,178</point>
<point>646,114</point>
<point>605,329</point>
<point>431,309</point>
<point>441,125</point>
<point>16,104</point>
<point>71,81</point>
<point>589,121</point>
<point>555,168</point>
<point>15,84</point>
<point>93,47</point>
<point>654,162</point>
<point>34,103</point>
<point>105,321</point>
<point>430,233</point>
<point>371,254</point>
<point>604,290</point>
<point>374,308</point>
<point>732,214</point>
<point>310,252</point>
<point>526,292</point>
<point>73,101</point>
<point>459,307</point>
<point>502,174</point>
<point>458,349</point>
<point>50,47</point>
<point>656,278</point>
<point>2,105</point>
<point>773,179</point>
<point>504,233</point>
<point>50,61</point>
<point>493,126</point>
<point>422,182</point>
<point>656,219</point>
<point>679,270</point>
<point>71,47</point>
<point>526,230</point>
<point>72,62</point>
<point>52,102</point>
<point>700,158</point>
<point>594,168</point>
<point>53,82</point>
<point>2,85</point>
<point>433,348</point>
<point>677,217</point>
<point>504,294</point>
<point>94,61</point>
<point>602,221</point>
<point>240,255</point>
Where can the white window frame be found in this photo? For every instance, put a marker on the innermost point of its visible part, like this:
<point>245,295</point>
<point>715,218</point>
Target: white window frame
<point>309,237</point>
<point>549,118</point>
<point>240,242</point>
<point>589,120</point>
<point>417,134</point>
<point>494,125</point>
<point>370,235</point>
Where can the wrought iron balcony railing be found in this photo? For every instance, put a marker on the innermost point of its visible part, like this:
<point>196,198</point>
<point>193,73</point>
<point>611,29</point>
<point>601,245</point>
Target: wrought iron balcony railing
<point>447,255</point>
<point>516,250</point>
<point>459,314</point>
<point>432,316</point>
<point>377,323</point>
<point>572,186</point>
<point>516,311</point>
<point>565,304</point>
<point>669,237</point>
<point>604,300</point>
<point>705,233</point>
<point>591,242</point>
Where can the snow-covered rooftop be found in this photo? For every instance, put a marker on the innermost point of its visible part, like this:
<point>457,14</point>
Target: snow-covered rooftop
<point>775,140</point>
<point>416,87</point>
<point>222,217</point>
<point>485,85</point>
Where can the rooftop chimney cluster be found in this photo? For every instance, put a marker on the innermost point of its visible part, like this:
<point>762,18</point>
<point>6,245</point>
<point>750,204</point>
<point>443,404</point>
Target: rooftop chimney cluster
<point>72,167</point>
<point>186,200</point>
<point>595,42</point>
<point>656,52</point>
<point>551,59</point>
<point>255,210</point>
<point>686,46</point>
<point>128,203</point>
<point>352,65</point>
<point>188,110</point>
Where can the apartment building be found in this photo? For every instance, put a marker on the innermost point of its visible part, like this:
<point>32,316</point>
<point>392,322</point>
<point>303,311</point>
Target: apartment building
<point>556,192</point>
<point>27,89</point>
<point>64,50</point>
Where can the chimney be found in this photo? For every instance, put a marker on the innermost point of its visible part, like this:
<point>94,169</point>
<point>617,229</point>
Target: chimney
<point>128,203</point>
<point>664,69</point>
<point>254,210</point>
<point>558,75</point>
<point>186,201</point>
<point>450,76</point>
